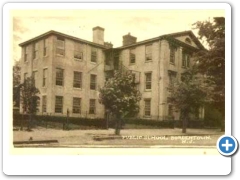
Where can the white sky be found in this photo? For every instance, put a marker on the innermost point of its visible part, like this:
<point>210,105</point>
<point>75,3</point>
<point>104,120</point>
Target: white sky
<point>143,24</point>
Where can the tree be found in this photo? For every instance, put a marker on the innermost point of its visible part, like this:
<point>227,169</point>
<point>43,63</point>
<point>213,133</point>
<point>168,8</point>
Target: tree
<point>29,98</point>
<point>120,97</point>
<point>16,83</point>
<point>187,95</point>
<point>211,62</point>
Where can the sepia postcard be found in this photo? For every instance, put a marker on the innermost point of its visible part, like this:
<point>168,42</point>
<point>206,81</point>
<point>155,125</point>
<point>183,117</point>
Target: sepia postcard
<point>114,81</point>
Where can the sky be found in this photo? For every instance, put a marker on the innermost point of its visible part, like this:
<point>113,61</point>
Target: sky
<point>143,24</point>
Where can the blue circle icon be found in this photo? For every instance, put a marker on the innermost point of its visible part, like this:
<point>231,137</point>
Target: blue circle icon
<point>227,145</point>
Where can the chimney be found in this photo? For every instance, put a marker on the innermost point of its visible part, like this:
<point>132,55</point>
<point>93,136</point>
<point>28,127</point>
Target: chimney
<point>108,45</point>
<point>128,39</point>
<point>98,35</point>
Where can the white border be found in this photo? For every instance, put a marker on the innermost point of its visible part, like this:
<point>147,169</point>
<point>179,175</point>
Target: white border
<point>112,165</point>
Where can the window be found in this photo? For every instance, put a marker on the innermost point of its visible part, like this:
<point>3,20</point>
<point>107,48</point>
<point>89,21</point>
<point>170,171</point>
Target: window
<point>188,60</point>
<point>134,77</point>
<point>185,60</point>
<point>132,56</point>
<point>108,59</point>
<point>44,77</point>
<point>34,74</point>
<point>148,80</point>
<point>170,110</point>
<point>35,50</point>
<point>93,81</point>
<point>25,76</point>
<point>76,105</point>
<point>58,104</point>
<point>60,46</point>
<point>59,77</point>
<point>77,79</point>
<point>26,54</point>
<point>44,104</point>
<point>78,53</point>
<point>147,107</point>
<point>172,77</point>
<point>45,47</point>
<point>172,54</point>
<point>92,106</point>
<point>93,54</point>
<point>149,53</point>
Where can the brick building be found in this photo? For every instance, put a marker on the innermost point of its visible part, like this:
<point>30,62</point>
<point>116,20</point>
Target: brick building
<point>69,70</point>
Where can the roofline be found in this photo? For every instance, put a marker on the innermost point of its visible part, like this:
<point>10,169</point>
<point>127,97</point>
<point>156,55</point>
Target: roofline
<point>52,32</point>
<point>165,37</point>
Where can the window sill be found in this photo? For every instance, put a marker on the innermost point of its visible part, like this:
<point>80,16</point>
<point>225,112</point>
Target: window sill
<point>147,117</point>
<point>78,89</point>
<point>44,87</point>
<point>172,63</point>
<point>148,90</point>
<point>79,60</point>
<point>148,61</point>
<point>59,86</point>
<point>45,56</point>
<point>132,64</point>
<point>59,55</point>
<point>94,63</point>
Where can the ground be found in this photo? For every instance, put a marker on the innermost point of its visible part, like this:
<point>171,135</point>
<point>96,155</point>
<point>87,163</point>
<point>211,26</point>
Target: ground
<point>128,138</point>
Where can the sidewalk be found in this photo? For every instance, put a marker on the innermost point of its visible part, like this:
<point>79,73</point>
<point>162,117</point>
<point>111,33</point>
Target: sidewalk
<point>141,137</point>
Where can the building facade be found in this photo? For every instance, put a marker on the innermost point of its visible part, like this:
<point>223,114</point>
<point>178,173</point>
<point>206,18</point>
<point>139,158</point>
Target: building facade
<point>70,71</point>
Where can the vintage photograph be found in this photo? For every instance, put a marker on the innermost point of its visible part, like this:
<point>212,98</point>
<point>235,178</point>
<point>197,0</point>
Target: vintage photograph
<point>118,78</point>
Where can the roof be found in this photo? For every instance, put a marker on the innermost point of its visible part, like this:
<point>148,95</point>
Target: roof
<point>169,37</point>
<point>52,32</point>
<point>166,36</point>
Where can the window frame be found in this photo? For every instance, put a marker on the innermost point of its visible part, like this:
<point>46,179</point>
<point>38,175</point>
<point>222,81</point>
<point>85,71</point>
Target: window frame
<point>92,106</point>
<point>34,73</point>
<point>94,55</point>
<point>44,77</point>
<point>60,48</point>
<point>148,54</point>
<point>93,83</point>
<point>26,54</point>
<point>60,106</point>
<point>185,59</point>
<point>35,50</point>
<point>132,56</point>
<point>172,54</point>
<point>78,52</point>
<point>172,75</point>
<point>147,109</point>
<point>45,43</point>
<point>59,79</point>
<point>25,76</point>
<point>170,110</point>
<point>147,82</point>
<point>76,106</point>
<point>44,103</point>
<point>77,81</point>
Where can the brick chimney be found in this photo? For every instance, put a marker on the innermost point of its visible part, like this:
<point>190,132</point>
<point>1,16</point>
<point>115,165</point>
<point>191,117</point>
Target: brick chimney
<point>108,45</point>
<point>98,35</point>
<point>128,39</point>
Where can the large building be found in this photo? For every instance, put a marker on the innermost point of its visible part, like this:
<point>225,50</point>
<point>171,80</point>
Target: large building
<point>69,71</point>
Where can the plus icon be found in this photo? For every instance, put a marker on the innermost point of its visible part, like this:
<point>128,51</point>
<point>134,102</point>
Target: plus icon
<point>227,145</point>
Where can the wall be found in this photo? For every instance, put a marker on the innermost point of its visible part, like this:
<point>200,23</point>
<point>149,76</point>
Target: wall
<point>69,64</point>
